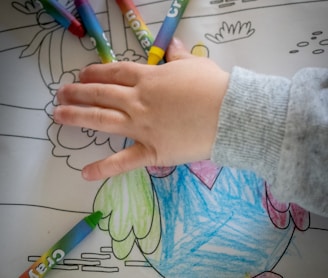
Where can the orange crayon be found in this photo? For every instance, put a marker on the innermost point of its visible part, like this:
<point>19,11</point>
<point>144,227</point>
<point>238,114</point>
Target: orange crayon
<point>136,23</point>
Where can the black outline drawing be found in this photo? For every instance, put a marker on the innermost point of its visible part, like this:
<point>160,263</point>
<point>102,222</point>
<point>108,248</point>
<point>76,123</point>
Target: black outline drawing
<point>47,31</point>
<point>228,33</point>
<point>318,44</point>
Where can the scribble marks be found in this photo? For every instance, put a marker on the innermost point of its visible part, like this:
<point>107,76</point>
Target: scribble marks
<point>317,42</point>
<point>231,32</point>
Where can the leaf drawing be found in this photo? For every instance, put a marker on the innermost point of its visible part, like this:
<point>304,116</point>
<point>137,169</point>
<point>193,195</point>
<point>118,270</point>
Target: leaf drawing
<point>232,32</point>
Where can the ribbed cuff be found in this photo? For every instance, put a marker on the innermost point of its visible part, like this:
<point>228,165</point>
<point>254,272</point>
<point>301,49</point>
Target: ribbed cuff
<point>252,122</point>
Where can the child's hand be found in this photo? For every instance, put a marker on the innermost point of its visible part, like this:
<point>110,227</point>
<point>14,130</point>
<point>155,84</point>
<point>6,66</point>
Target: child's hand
<point>171,111</point>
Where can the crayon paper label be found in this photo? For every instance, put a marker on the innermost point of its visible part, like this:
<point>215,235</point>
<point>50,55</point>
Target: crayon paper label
<point>45,263</point>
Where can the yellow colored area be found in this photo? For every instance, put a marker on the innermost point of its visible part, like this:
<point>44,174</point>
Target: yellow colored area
<point>155,55</point>
<point>200,50</point>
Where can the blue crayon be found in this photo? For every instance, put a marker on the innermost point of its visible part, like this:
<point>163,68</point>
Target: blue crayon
<point>95,31</point>
<point>167,30</point>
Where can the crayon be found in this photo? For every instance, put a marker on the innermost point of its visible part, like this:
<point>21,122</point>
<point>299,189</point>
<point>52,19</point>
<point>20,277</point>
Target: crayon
<point>166,31</point>
<point>136,23</point>
<point>63,17</point>
<point>58,251</point>
<point>95,31</point>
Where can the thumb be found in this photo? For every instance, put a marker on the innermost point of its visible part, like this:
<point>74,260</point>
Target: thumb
<point>177,51</point>
<point>125,160</point>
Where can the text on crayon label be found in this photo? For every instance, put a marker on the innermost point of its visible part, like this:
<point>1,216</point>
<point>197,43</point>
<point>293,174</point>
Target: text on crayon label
<point>175,8</point>
<point>98,44</point>
<point>56,256</point>
<point>94,41</point>
<point>135,24</point>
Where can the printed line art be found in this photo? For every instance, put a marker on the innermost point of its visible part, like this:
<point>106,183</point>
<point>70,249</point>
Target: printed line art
<point>88,262</point>
<point>228,33</point>
<point>192,220</point>
<point>317,43</point>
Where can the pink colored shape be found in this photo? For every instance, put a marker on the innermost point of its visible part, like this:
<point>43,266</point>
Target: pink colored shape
<point>206,171</point>
<point>160,172</point>
<point>300,216</point>
<point>281,213</point>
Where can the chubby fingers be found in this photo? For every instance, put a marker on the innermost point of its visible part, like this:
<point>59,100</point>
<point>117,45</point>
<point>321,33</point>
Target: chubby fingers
<point>100,95</point>
<point>121,73</point>
<point>133,157</point>
<point>108,120</point>
<point>105,107</point>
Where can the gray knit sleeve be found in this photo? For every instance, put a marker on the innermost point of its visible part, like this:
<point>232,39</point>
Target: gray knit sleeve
<point>279,129</point>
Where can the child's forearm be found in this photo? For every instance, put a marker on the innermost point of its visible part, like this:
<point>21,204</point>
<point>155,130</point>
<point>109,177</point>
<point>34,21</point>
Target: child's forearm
<point>279,129</point>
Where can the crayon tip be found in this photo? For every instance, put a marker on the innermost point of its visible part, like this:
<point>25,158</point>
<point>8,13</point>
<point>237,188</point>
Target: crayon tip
<point>93,219</point>
<point>155,55</point>
<point>77,29</point>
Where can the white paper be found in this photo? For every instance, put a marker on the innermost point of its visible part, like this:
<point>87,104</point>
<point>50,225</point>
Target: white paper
<point>196,220</point>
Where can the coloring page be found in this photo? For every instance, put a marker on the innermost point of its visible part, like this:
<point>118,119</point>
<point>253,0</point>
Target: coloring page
<point>192,220</point>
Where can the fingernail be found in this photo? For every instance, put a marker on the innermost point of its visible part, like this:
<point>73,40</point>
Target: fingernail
<point>85,173</point>
<point>176,43</point>
<point>55,101</point>
<point>56,114</point>
<point>81,73</point>
<point>58,95</point>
